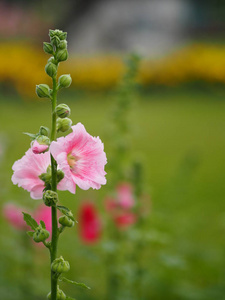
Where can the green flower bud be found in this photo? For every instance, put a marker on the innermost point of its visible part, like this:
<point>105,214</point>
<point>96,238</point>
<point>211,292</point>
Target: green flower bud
<point>60,175</point>
<point>52,60</point>
<point>50,198</point>
<point>63,124</point>
<point>44,131</point>
<point>59,265</point>
<point>65,221</point>
<point>51,69</point>
<point>64,81</point>
<point>43,91</point>
<point>43,140</point>
<point>59,33</point>
<point>40,235</point>
<point>63,44</point>
<point>47,47</point>
<point>59,296</point>
<point>62,55</point>
<point>62,110</point>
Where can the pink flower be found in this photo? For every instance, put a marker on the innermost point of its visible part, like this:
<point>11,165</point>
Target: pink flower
<point>27,171</point>
<point>38,148</point>
<point>90,223</point>
<point>14,216</point>
<point>82,159</point>
<point>125,195</point>
<point>120,207</point>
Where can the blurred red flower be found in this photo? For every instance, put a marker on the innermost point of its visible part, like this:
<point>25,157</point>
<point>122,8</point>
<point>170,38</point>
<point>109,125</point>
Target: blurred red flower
<point>90,226</point>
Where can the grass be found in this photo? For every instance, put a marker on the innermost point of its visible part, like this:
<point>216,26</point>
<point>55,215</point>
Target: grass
<point>180,138</point>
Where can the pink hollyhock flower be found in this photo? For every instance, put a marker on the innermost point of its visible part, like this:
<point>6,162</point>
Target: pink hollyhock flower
<point>90,223</point>
<point>14,216</point>
<point>38,148</point>
<point>27,171</point>
<point>82,159</point>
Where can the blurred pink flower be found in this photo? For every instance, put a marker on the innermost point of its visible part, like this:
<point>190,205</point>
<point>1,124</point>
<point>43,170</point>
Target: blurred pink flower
<point>120,207</point>
<point>82,159</point>
<point>38,148</point>
<point>13,214</point>
<point>90,226</point>
<point>43,213</point>
<point>125,195</point>
<point>27,171</point>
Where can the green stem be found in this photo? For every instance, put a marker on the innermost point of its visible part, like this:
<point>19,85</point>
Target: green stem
<point>54,188</point>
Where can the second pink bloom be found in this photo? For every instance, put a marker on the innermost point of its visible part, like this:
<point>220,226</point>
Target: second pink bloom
<point>82,159</point>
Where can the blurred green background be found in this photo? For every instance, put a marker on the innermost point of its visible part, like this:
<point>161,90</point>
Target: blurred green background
<point>176,119</point>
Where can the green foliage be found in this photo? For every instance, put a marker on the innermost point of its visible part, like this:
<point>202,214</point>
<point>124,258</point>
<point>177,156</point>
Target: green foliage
<point>30,221</point>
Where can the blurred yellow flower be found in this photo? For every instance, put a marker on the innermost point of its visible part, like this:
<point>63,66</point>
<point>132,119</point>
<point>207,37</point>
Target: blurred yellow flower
<point>22,67</point>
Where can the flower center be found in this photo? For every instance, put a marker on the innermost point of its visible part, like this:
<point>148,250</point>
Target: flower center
<point>71,160</point>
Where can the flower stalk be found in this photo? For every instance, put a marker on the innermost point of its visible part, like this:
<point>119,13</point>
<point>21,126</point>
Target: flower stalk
<point>85,170</point>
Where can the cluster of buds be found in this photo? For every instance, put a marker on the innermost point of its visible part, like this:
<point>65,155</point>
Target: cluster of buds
<point>40,234</point>
<point>58,49</point>
<point>63,123</point>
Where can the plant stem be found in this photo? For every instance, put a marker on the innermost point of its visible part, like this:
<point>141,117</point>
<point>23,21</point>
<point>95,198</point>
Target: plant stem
<point>54,188</point>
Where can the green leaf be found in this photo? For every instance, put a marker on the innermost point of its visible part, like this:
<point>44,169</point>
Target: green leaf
<point>30,233</point>
<point>30,221</point>
<point>31,135</point>
<point>69,298</point>
<point>66,211</point>
<point>74,282</point>
<point>42,224</point>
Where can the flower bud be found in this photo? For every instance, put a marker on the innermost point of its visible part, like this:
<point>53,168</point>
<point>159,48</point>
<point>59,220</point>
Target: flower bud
<point>47,47</point>
<point>43,91</point>
<point>52,60</point>
<point>44,131</point>
<point>50,198</point>
<point>65,81</point>
<point>60,175</point>
<point>59,296</point>
<point>38,148</point>
<point>62,55</point>
<point>65,221</point>
<point>59,265</point>
<point>59,33</point>
<point>51,69</point>
<point>62,110</point>
<point>63,44</point>
<point>43,140</point>
<point>63,124</point>
<point>40,235</point>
